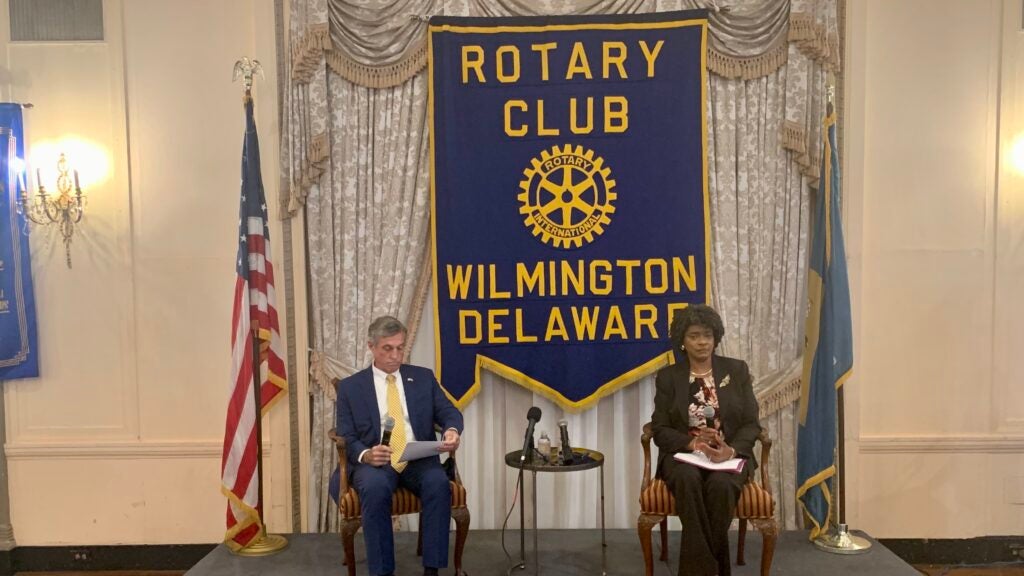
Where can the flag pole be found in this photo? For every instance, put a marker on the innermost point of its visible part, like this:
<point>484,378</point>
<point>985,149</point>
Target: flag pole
<point>837,539</point>
<point>263,544</point>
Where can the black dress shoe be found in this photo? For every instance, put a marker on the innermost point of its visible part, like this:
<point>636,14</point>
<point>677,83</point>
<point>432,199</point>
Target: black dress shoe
<point>429,571</point>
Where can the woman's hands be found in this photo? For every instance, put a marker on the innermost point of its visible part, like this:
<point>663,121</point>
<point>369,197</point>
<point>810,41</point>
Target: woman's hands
<point>713,445</point>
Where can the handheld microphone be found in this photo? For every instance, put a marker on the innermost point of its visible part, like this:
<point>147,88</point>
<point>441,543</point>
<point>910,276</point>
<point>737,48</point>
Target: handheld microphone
<point>533,415</point>
<point>389,425</point>
<point>709,417</point>
<point>567,456</point>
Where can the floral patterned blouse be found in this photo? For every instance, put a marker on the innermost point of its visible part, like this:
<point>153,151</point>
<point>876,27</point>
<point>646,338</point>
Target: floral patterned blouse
<point>707,395</point>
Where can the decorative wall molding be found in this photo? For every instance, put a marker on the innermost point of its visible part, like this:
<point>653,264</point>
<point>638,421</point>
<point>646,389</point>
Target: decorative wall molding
<point>118,450</point>
<point>941,444</point>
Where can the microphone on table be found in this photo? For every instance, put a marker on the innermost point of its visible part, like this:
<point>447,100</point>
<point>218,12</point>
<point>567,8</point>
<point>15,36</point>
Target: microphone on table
<point>567,456</point>
<point>389,425</point>
<point>533,415</point>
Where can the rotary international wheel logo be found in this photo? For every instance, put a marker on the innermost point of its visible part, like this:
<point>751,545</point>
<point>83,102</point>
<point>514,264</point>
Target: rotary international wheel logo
<point>567,196</point>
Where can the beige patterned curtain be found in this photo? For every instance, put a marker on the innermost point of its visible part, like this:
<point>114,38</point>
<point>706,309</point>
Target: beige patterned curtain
<point>356,143</point>
<point>367,219</point>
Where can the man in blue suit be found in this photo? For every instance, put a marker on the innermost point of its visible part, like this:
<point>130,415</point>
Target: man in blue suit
<point>412,396</point>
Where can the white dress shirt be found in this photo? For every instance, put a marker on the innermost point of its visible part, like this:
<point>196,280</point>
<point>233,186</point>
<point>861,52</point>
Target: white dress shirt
<point>380,386</point>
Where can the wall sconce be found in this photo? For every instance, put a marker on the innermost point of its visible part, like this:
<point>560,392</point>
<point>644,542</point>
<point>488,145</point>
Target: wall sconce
<point>64,209</point>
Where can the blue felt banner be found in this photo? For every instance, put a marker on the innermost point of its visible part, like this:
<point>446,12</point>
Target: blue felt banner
<point>18,351</point>
<point>569,197</point>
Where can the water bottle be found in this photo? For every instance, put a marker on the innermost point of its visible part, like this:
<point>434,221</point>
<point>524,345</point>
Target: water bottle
<point>544,446</point>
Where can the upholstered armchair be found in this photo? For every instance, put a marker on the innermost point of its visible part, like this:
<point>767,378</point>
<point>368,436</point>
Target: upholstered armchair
<point>755,505</point>
<point>403,502</point>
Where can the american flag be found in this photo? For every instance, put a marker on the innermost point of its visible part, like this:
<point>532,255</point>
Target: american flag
<point>253,316</point>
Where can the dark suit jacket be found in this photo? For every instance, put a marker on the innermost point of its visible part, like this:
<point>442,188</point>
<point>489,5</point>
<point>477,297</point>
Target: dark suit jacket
<point>738,410</point>
<point>358,417</point>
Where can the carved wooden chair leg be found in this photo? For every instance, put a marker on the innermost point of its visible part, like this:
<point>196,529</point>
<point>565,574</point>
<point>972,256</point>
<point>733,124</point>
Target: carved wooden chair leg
<point>461,516</point>
<point>663,526</point>
<point>741,541</point>
<point>644,524</point>
<point>349,527</point>
<point>769,529</point>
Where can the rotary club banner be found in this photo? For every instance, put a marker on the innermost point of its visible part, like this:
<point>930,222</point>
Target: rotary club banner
<point>569,197</point>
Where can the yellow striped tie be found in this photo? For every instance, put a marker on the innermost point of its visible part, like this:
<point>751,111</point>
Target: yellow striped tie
<point>398,434</point>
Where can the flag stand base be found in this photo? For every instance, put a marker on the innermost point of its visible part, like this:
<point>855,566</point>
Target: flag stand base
<point>840,541</point>
<point>265,545</point>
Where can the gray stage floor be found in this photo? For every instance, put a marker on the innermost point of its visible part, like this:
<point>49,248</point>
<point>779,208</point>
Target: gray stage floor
<point>562,553</point>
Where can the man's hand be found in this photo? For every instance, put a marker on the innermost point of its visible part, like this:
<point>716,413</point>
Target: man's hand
<point>450,441</point>
<point>377,456</point>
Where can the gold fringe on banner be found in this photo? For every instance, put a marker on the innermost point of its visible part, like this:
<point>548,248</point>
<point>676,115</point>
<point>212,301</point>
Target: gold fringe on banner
<point>750,67</point>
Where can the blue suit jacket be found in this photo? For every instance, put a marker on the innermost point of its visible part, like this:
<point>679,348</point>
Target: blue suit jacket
<point>357,417</point>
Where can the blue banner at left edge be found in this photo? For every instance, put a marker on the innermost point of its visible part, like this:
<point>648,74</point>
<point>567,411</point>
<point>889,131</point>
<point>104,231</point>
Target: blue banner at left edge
<point>19,352</point>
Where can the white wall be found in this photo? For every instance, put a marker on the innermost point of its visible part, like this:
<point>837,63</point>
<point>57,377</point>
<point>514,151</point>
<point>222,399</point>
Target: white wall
<point>935,219</point>
<point>120,439</point>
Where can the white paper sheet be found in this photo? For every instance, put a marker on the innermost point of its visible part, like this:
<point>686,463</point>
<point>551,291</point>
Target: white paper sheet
<point>420,449</point>
<point>733,465</point>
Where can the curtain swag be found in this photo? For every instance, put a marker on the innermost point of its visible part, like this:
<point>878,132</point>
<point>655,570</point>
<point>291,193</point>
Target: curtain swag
<point>747,42</point>
<point>316,46</point>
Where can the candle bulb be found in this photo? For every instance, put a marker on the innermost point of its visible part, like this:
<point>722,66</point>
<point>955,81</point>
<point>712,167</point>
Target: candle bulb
<point>39,179</point>
<point>77,187</point>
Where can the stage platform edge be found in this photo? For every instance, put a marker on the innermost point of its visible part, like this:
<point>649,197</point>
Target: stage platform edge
<point>562,553</point>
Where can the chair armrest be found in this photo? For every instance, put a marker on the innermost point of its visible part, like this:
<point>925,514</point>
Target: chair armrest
<point>645,441</point>
<point>766,448</point>
<point>339,443</point>
<point>455,467</point>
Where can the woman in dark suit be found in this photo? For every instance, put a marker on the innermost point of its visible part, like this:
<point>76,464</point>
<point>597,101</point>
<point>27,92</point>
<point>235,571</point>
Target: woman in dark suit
<point>705,500</point>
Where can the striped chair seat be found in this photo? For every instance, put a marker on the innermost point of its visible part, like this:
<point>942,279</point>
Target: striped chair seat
<point>754,502</point>
<point>755,505</point>
<point>403,502</point>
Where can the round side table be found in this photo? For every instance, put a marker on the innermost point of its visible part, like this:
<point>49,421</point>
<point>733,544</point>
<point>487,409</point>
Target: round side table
<point>583,459</point>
